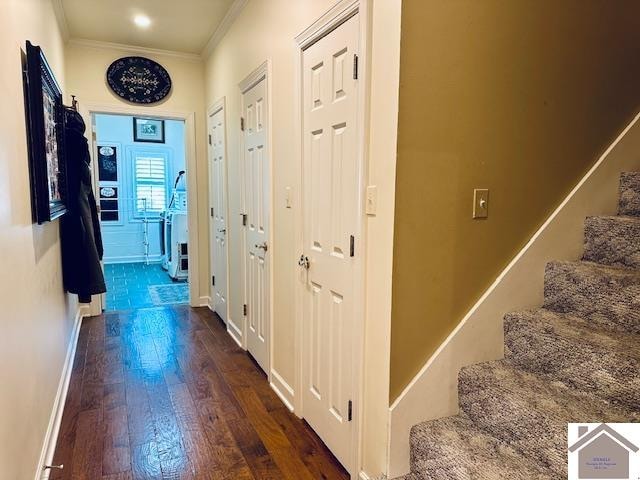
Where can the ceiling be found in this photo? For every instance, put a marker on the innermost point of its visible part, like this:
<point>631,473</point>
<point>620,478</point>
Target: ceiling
<point>177,25</point>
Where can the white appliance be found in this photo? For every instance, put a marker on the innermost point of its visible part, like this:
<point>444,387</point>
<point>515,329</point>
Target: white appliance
<point>175,258</point>
<point>175,237</point>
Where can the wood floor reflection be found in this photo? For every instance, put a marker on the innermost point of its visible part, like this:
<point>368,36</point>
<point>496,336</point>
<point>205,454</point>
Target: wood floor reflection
<point>165,393</point>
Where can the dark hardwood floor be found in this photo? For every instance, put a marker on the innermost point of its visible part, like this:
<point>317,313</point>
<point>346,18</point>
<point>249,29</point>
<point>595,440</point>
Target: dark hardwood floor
<point>165,393</point>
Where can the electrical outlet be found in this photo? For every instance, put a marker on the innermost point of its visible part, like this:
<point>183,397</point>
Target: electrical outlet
<point>481,203</point>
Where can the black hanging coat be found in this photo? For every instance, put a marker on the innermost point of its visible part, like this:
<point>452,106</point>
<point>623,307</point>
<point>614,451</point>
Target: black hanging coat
<point>80,228</point>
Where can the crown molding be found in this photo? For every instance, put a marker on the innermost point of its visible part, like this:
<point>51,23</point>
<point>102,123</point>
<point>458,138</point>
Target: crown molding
<point>83,42</point>
<point>58,10</point>
<point>232,14</point>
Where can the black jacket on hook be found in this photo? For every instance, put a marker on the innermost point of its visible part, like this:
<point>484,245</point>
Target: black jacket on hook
<point>80,228</point>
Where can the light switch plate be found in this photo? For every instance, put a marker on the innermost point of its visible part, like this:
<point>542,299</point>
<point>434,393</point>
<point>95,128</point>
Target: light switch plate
<point>481,203</point>
<point>371,206</point>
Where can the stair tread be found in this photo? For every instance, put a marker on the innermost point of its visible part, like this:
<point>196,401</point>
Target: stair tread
<point>453,448</point>
<point>574,327</point>
<point>608,296</point>
<point>599,269</point>
<point>528,411</point>
<point>571,350</point>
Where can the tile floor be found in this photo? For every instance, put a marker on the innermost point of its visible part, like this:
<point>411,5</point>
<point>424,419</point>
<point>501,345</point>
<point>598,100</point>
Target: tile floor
<point>128,285</point>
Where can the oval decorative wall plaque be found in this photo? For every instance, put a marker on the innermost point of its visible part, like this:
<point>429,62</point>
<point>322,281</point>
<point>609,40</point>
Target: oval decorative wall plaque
<point>138,80</point>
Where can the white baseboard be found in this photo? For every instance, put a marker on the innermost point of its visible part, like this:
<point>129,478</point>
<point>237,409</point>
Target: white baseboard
<point>364,476</point>
<point>132,259</point>
<point>51,435</point>
<point>204,301</point>
<point>282,389</point>
<point>235,332</point>
<point>432,393</point>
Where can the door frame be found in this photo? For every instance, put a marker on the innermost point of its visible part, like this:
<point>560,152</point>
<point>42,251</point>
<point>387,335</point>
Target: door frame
<point>263,71</point>
<point>341,12</point>
<point>88,110</point>
<point>220,104</point>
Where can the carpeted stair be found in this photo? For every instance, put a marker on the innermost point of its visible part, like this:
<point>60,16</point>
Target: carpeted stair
<point>576,359</point>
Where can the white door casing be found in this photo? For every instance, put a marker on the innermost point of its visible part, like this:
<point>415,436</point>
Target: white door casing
<point>88,110</point>
<point>256,188</point>
<point>218,211</point>
<point>331,189</point>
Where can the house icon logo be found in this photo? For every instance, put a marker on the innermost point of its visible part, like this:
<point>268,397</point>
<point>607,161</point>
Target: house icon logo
<point>602,451</point>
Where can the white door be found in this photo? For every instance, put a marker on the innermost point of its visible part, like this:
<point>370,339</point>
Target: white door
<point>257,208</point>
<point>218,212</point>
<point>330,212</point>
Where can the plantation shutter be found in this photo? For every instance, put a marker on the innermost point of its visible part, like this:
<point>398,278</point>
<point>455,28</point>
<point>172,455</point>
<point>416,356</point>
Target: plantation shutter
<point>150,185</point>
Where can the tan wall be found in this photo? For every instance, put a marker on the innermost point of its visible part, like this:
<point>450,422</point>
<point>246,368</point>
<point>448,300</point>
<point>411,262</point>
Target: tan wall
<point>86,69</point>
<point>519,97</point>
<point>37,316</point>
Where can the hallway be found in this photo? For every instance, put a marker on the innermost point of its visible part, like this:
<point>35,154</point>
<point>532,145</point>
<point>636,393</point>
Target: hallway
<point>165,393</point>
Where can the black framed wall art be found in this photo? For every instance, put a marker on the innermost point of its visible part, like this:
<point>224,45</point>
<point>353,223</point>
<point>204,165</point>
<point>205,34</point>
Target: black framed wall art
<point>148,130</point>
<point>44,114</point>
<point>138,80</point>
<point>107,163</point>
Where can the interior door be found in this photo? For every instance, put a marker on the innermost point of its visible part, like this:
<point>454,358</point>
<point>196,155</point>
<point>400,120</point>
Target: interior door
<point>257,207</point>
<point>330,216</point>
<point>218,212</point>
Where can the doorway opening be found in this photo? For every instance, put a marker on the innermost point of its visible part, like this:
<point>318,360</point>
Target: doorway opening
<point>140,172</point>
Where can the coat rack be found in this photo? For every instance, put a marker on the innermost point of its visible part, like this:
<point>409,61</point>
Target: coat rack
<point>74,103</point>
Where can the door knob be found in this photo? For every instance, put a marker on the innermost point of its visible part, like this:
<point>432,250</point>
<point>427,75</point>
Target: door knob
<point>304,262</point>
<point>263,246</point>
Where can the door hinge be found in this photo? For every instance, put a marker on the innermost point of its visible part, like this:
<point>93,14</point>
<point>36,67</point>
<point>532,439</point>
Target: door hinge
<point>212,211</point>
<point>213,280</point>
<point>209,139</point>
<point>350,411</point>
<point>244,309</point>
<point>244,219</point>
<point>355,66</point>
<point>242,123</point>
<point>352,246</point>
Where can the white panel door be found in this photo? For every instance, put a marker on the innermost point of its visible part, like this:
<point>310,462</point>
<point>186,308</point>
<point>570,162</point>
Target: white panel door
<point>218,210</point>
<point>256,196</point>
<point>330,212</point>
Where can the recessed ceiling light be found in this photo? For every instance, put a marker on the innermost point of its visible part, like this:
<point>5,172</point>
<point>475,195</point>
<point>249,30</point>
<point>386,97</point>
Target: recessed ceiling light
<point>142,21</point>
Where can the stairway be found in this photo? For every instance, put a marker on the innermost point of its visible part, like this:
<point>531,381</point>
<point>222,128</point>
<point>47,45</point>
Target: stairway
<point>576,359</point>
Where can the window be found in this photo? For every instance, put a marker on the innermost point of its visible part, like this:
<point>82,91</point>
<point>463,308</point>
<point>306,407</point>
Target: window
<point>150,187</point>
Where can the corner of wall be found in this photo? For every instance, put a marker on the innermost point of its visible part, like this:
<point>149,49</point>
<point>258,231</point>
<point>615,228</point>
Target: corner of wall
<point>479,336</point>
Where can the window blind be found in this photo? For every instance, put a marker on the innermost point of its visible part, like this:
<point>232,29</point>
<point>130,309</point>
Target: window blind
<point>150,185</point>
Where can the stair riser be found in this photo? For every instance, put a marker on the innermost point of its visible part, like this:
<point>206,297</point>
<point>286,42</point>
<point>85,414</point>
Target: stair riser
<point>539,348</point>
<point>612,242</point>
<point>629,194</point>
<point>609,302</point>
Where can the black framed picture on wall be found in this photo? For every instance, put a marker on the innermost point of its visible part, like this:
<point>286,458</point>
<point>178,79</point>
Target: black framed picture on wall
<point>148,130</point>
<point>44,114</point>
<point>107,163</point>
